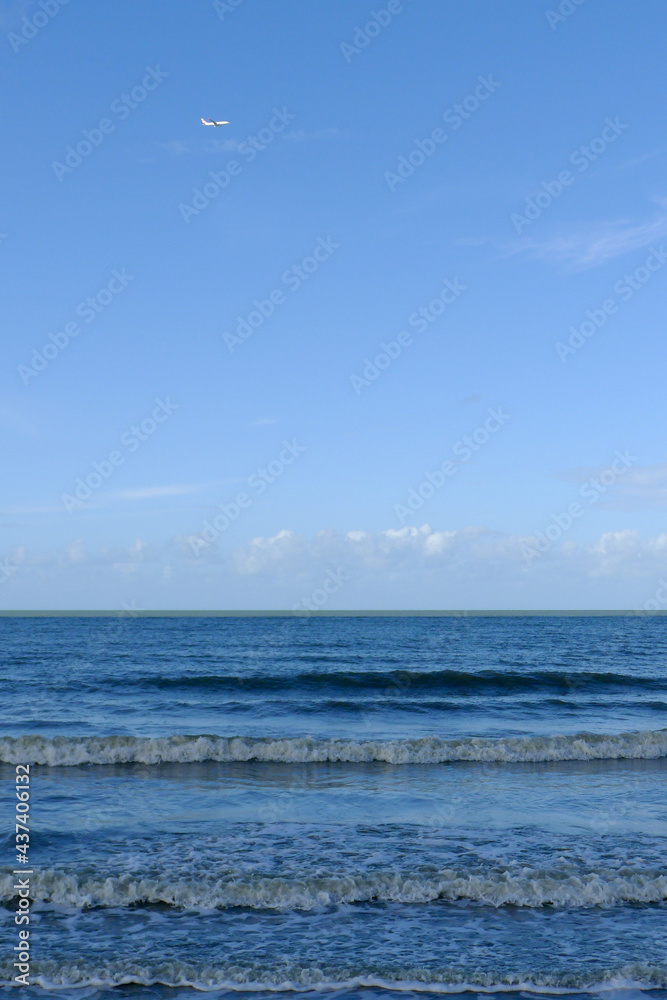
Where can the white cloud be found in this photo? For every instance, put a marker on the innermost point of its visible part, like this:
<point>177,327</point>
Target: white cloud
<point>406,548</point>
<point>595,245</point>
<point>190,147</point>
<point>641,487</point>
<point>76,551</point>
<point>104,499</point>
<point>417,555</point>
<point>18,509</point>
<point>299,135</point>
<point>178,147</point>
<point>408,567</point>
<point>148,492</point>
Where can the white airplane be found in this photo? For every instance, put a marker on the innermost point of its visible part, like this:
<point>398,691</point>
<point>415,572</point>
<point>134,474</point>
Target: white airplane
<point>205,122</point>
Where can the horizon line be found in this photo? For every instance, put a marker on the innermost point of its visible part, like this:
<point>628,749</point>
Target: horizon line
<point>367,613</point>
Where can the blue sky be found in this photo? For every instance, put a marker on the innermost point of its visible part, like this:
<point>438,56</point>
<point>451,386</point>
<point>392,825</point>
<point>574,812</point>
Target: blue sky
<point>472,195</point>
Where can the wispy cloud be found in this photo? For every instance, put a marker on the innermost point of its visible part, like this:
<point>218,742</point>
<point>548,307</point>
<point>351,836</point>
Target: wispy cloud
<point>300,135</point>
<point>642,487</point>
<point>105,499</point>
<point>178,147</point>
<point>472,241</point>
<point>207,145</point>
<point>595,245</point>
<point>633,162</point>
<point>22,509</point>
<point>192,147</point>
<point>148,492</point>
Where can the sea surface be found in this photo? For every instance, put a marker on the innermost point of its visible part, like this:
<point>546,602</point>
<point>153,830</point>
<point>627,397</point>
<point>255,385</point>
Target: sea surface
<point>366,807</point>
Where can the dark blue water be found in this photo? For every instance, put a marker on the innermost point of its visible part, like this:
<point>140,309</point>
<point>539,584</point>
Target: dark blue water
<point>358,805</point>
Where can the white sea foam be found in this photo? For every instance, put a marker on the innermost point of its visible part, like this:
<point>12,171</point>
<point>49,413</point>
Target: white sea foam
<point>68,751</point>
<point>523,887</point>
<point>288,978</point>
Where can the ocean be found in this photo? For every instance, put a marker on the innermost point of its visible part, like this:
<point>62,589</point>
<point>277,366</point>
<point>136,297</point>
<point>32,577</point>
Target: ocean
<point>336,806</point>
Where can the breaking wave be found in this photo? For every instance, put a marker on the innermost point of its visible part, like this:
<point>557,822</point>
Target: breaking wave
<point>59,751</point>
<point>285,978</point>
<point>520,887</point>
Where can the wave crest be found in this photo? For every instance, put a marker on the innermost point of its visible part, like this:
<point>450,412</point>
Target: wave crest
<point>521,887</point>
<point>444,681</point>
<point>63,751</point>
<point>287,978</point>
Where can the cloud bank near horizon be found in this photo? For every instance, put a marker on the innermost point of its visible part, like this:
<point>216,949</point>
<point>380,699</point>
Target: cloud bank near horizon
<point>398,568</point>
